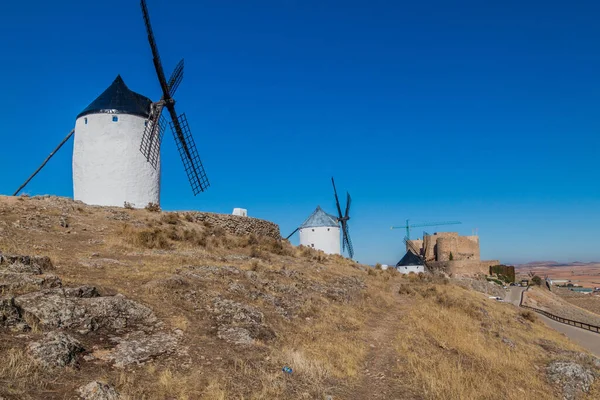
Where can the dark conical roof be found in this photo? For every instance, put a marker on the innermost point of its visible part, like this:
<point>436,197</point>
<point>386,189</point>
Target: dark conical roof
<point>409,258</point>
<point>118,99</point>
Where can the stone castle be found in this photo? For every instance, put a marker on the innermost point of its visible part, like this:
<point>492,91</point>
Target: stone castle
<point>451,253</point>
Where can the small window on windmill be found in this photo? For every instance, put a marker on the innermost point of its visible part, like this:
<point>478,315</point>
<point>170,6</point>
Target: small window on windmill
<point>115,118</point>
<point>85,120</point>
<point>146,123</point>
<point>327,229</point>
<point>313,230</point>
<point>312,244</point>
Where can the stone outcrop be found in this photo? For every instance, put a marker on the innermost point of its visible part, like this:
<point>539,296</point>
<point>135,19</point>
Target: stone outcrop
<point>139,347</point>
<point>54,309</point>
<point>98,391</point>
<point>18,271</point>
<point>573,378</point>
<point>237,225</point>
<point>9,313</point>
<point>239,323</point>
<point>56,349</point>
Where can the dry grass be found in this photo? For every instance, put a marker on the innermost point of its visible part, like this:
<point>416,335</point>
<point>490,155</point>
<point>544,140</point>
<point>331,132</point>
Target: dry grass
<point>452,348</point>
<point>549,301</point>
<point>447,346</point>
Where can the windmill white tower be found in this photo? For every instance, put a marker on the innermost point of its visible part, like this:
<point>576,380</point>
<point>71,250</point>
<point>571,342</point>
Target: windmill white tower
<point>108,167</point>
<point>322,231</point>
<point>116,154</point>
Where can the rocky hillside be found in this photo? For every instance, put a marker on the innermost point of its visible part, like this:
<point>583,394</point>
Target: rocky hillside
<point>109,303</point>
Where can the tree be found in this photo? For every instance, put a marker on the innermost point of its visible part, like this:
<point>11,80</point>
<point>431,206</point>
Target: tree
<point>536,280</point>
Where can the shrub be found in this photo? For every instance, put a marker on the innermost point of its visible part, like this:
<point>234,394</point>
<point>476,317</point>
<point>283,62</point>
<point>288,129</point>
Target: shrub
<point>378,266</point>
<point>451,256</point>
<point>152,239</point>
<point>170,218</point>
<point>528,315</point>
<point>127,205</point>
<point>153,207</point>
<point>536,280</point>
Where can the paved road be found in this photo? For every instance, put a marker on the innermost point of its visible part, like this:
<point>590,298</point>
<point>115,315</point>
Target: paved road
<point>586,339</point>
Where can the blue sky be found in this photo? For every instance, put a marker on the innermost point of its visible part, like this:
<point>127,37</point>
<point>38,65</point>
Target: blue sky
<point>483,112</point>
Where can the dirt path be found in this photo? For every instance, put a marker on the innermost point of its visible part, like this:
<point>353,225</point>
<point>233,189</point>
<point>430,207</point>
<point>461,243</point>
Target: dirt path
<point>379,377</point>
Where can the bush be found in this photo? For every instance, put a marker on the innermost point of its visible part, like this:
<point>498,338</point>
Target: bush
<point>153,207</point>
<point>536,280</point>
<point>378,266</point>
<point>152,239</point>
<point>127,205</point>
<point>528,315</point>
<point>170,218</point>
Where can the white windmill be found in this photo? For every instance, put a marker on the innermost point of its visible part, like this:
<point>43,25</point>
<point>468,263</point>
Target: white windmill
<point>322,231</point>
<point>116,150</point>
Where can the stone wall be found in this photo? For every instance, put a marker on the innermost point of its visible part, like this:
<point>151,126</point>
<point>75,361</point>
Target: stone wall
<point>463,267</point>
<point>439,247</point>
<point>237,225</point>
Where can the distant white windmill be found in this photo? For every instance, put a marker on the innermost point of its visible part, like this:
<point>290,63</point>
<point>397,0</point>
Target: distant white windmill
<point>322,231</point>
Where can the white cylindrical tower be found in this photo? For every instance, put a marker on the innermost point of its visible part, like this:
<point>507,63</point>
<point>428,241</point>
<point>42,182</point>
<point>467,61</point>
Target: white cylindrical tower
<point>321,231</point>
<point>108,167</point>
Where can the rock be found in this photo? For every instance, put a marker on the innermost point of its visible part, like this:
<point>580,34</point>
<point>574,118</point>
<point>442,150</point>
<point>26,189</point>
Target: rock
<point>43,263</point>
<point>98,391</point>
<point>508,342</point>
<point>234,334</point>
<point>53,309</point>
<point>13,280</point>
<point>237,322</point>
<point>138,348</point>
<point>82,292</point>
<point>24,269</point>
<point>573,378</point>
<point>9,313</point>
<point>56,349</point>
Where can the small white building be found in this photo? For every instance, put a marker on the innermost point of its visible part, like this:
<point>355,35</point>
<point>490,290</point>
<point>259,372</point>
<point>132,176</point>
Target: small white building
<point>410,263</point>
<point>321,231</point>
<point>108,167</point>
<point>242,212</point>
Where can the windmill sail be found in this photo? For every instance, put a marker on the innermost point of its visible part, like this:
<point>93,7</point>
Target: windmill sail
<point>189,155</point>
<point>152,137</point>
<point>179,125</point>
<point>343,219</point>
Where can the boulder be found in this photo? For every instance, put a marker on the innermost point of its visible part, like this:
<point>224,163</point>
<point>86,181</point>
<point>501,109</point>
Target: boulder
<point>9,313</point>
<point>239,323</point>
<point>84,314</point>
<point>139,347</point>
<point>98,391</point>
<point>56,349</point>
<point>572,378</point>
<point>14,280</point>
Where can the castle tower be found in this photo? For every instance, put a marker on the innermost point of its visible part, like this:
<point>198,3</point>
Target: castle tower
<point>321,231</point>
<point>108,167</point>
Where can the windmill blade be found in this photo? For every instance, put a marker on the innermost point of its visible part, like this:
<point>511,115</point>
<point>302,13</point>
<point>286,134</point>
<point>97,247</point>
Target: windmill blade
<point>188,153</point>
<point>348,201</point>
<point>155,56</point>
<point>291,234</point>
<point>153,134</point>
<point>337,201</point>
<point>347,242</point>
<point>176,78</point>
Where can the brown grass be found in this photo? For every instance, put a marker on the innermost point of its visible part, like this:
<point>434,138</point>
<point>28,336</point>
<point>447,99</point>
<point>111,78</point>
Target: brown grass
<point>446,342</point>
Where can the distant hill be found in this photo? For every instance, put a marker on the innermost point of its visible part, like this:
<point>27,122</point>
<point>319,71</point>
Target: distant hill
<point>555,264</point>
